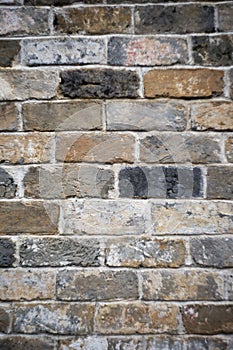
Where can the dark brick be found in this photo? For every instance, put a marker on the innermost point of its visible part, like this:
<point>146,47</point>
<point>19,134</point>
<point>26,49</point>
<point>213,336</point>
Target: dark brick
<point>7,185</point>
<point>173,19</point>
<point>225,15</point>
<point>205,343</point>
<point>59,252</point>
<point>7,251</point>
<point>58,2</point>
<point>25,343</point>
<point>9,49</point>
<point>213,252</point>
<point>5,320</point>
<point>100,83</point>
<point>8,116</point>
<point>219,182</point>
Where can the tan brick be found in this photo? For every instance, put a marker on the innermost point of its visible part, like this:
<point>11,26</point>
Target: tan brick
<point>212,116</point>
<point>101,148</point>
<point>136,317</point>
<point>229,149</point>
<point>26,285</point>
<point>8,116</point>
<point>184,83</point>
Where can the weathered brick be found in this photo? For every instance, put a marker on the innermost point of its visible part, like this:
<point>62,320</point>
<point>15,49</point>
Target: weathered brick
<point>93,20</point>
<point>225,13</point>
<point>145,252</point>
<point>9,50</point>
<point>213,51</point>
<point>17,217</point>
<point>186,217</point>
<point>64,181</point>
<point>5,319</point>
<point>26,285</point>
<point>8,116</point>
<point>180,148</point>
<point>49,116</point>
<point>11,342</point>
<point>219,182</point>
<point>231,83</point>
<point>182,285</point>
<point>24,21</point>
<point>136,317</point>
<point>208,319</point>
<point>146,115</point>
<point>173,19</point>
<point>95,147</point>
<point>19,84</point>
<point>204,343</point>
<point>10,2</point>
<point>147,51</point>
<point>104,217</point>
<point>214,252</point>
<point>7,252</point>
<point>158,342</point>
<point>53,318</point>
<point>63,51</point>
<point>99,83</point>
<point>59,252</point>
<point>25,148</point>
<point>229,285</point>
<point>229,149</point>
<point>97,285</point>
<point>8,186</point>
<point>184,83</point>
<point>59,2</point>
<point>212,116</point>
<point>160,182</point>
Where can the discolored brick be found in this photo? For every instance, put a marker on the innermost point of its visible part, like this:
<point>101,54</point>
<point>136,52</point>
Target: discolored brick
<point>9,50</point>
<point>225,13</point>
<point>219,182</point>
<point>7,252</point>
<point>11,342</point>
<point>5,319</point>
<point>204,343</point>
<point>229,149</point>
<point>8,116</point>
<point>8,186</point>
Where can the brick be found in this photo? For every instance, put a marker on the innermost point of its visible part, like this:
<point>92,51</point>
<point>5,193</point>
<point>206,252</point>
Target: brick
<point>183,83</point>
<point>158,342</point>
<point>160,182</point>
<point>104,217</point>
<point>208,319</point>
<point>9,50</point>
<point>17,217</point>
<point>145,252</point>
<point>8,186</point>
<point>50,116</point>
<point>173,19</point>
<point>213,51</point>
<point>58,2</point>
<point>136,317</point>
<point>12,342</point>
<point>5,319</point>
<point>8,116</point>
<point>192,218</point>
<point>214,252</point>
<point>93,20</point>
<point>182,285</point>
<point>231,83</point>
<point>97,285</point>
<point>64,181</point>
<point>225,13</point>
<point>229,149</point>
<point>180,148</point>
<point>24,21</point>
<point>26,285</point>
<point>84,343</point>
<point>99,83</point>
<point>59,252</point>
<point>7,252</point>
<point>63,51</point>
<point>24,84</point>
<point>25,148</point>
<point>147,51</point>
<point>229,285</point>
<point>212,116</point>
<point>207,343</point>
<point>95,147</point>
<point>219,182</point>
<point>146,116</point>
<point>53,318</point>
<point>10,2</point>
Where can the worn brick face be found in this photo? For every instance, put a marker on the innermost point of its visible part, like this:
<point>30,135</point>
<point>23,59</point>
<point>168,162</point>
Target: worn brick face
<point>9,50</point>
<point>219,182</point>
<point>26,343</point>
<point>8,116</point>
<point>229,149</point>
<point>225,13</point>
<point>7,252</point>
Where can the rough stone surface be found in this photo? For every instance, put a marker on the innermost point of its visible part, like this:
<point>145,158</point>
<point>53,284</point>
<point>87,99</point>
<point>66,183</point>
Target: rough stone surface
<point>92,285</point>
<point>7,252</point>
<point>26,343</point>
<point>160,182</point>
<point>101,217</point>
<point>53,318</point>
<point>214,252</point>
<point>19,84</point>
<point>183,83</point>
<point>93,20</point>
<point>182,285</point>
<point>59,252</point>
<point>173,19</point>
<point>180,148</point>
<point>187,217</point>
<point>146,116</point>
<point>205,343</point>
<point>50,116</point>
<point>229,149</point>
<point>9,50</point>
<point>63,51</point>
<point>99,83</point>
<point>212,116</point>
<point>5,320</point>
<point>17,217</point>
<point>8,116</point>
<point>147,51</point>
<point>97,148</point>
<point>7,185</point>
<point>225,13</point>
<point>208,319</point>
<point>219,182</point>
<point>145,252</point>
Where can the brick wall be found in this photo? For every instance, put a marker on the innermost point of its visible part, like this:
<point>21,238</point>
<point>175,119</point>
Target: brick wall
<point>116,151</point>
